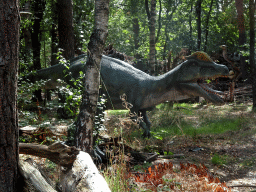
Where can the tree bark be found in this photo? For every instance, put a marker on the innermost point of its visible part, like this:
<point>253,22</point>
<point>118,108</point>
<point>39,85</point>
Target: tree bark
<point>9,40</point>
<point>85,120</point>
<point>198,20</point>
<point>65,28</point>
<point>252,5</point>
<point>151,24</point>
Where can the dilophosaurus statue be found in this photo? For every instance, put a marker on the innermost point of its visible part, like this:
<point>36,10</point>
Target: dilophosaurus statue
<point>142,90</point>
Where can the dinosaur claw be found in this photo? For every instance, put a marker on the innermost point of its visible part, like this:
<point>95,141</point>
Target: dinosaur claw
<point>146,134</point>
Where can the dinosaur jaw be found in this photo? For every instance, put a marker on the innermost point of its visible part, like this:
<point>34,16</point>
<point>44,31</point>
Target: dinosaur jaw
<point>202,90</point>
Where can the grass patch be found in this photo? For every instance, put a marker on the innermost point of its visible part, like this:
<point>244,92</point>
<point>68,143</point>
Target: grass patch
<point>219,159</point>
<point>122,113</point>
<point>117,180</point>
<point>188,120</point>
<point>248,162</point>
<point>219,126</point>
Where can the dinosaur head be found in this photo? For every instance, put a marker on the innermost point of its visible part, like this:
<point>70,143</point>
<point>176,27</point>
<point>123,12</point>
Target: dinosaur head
<point>198,67</point>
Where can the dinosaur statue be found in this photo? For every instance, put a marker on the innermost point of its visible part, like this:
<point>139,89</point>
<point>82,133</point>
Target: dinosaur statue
<point>144,91</point>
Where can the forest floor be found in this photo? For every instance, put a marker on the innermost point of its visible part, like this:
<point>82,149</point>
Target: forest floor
<point>222,138</point>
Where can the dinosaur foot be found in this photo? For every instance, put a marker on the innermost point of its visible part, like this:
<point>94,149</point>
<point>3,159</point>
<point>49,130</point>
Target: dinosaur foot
<point>146,134</point>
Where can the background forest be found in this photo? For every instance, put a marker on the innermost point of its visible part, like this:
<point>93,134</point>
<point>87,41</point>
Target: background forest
<point>192,24</point>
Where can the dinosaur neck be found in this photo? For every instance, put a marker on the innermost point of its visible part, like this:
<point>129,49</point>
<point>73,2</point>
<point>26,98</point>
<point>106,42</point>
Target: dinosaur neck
<point>162,88</point>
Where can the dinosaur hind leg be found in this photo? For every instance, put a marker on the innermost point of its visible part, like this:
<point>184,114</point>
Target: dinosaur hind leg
<point>145,124</point>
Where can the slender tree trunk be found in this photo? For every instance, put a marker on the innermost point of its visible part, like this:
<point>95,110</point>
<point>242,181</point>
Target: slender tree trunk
<point>159,21</point>
<point>38,9</point>
<point>207,26</point>
<point>190,27</point>
<point>167,39</point>
<point>252,5</point>
<point>9,149</point>
<point>26,51</point>
<point>54,47</point>
<point>198,20</point>
<point>242,36</point>
<point>136,33</point>
<point>85,120</point>
<point>54,43</point>
<point>240,21</point>
<point>152,21</point>
<point>136,27</point>
<point>65,28</point>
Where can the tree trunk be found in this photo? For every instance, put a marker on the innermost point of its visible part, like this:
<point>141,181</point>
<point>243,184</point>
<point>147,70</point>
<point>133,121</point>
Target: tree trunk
<point>240,21</point>
<point>85,120</point>
<point>198,20</point>
<point>136,28</point>
<point>152,20</point>
<point>252,5</point>
<point>54,47</point>
<point>65,28</point>
<point>136,33</point>
<point>9,40</point>
<point>242,36</point>
<point>167,39</point>
<point>159,21</point>
<point>207,26</point>
<point>26,51</point>
<point>38,9</point>
<point>190,27</point>
<point>54,43</point>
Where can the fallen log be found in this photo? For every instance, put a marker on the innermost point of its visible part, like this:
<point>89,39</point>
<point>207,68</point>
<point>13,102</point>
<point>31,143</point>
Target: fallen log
<point>34,180</point>
<point>58,153</point>
<point>81,174</point>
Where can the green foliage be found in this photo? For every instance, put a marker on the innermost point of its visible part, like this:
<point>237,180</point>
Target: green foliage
<point>99,117</point>
<point>83,13</point>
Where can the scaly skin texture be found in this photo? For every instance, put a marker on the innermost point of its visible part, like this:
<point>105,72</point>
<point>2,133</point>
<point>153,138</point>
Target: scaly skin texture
<point>144,91</point>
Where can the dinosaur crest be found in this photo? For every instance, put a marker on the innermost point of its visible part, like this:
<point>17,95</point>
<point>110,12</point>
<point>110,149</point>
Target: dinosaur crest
<point>200,55</point>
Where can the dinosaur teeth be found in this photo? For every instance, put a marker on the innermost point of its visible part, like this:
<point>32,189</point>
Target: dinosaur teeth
<point>210,90</point>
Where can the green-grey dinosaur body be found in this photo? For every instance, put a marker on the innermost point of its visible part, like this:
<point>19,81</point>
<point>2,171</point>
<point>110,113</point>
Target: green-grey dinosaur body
<point>144,91</point>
